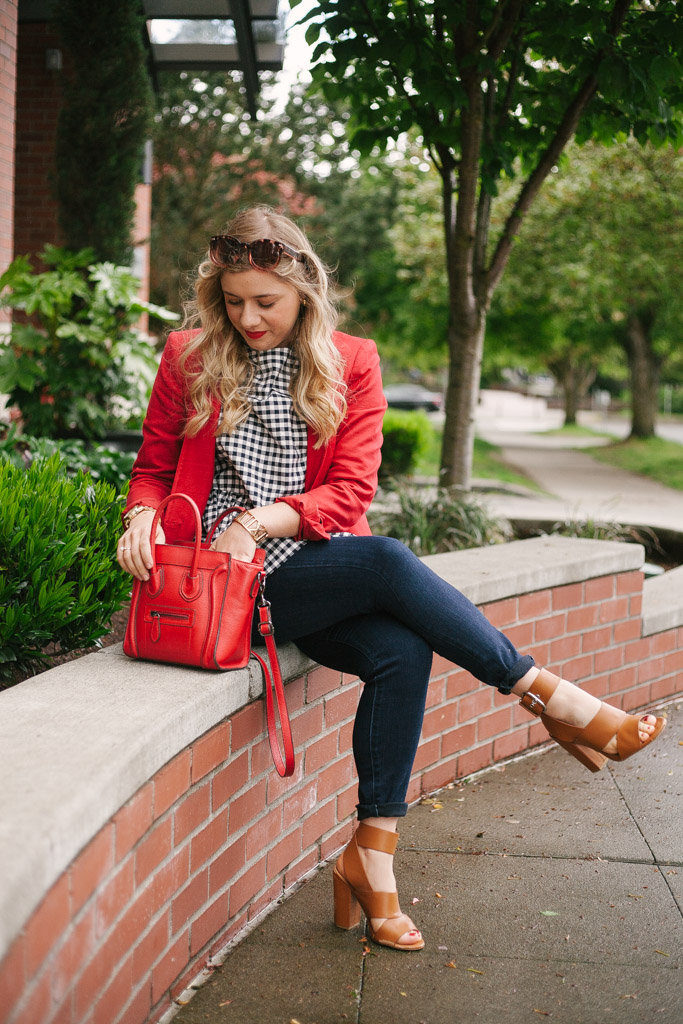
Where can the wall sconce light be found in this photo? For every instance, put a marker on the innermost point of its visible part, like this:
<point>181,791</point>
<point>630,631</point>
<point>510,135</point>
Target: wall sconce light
<point>53,60</point>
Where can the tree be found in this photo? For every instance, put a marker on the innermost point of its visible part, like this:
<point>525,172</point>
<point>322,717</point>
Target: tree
<point>599,254</point>
<point>494,88</point>
<point>102,125</point>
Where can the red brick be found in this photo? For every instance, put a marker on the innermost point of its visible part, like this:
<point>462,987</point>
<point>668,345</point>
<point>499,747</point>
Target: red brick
<point>436,692</point>
<point>208,924</point>
<point>171,781</point>
<point>245,808</point>
<point>228,864</point>
<point>168,969</point>
<point>570,596</point>
<point>652,669</point>
<point>475,760</point>
<point>37,1008</point>
<point>458,739</point>
<point>347,801</point>
<point>261,758</point>
<point>663,642</point>
<point>346,736</point>
<point>321,752</point>
<point>635,606</point>
<point>191,812</point>
<point>565,647</point>
<point>530,606</point>
<point>247,726</point>
<point>46,925</point>
<point>460,682</point>
<point>189,900</point>
<point>537,734</point>
<point>283,854</point>
<point>441,666</point>
<point>152,850</point>
<point>609,659</point>
<point>229,780</point>
<point>150,947</point>
<point>507,746</point>
<point>245,888</point>
<point>263,831</point>
<point>12,975</point>
<point>341,707</point>
<point>306,725</point>
<point>639,650</point>
<point>140,1005</point>
<point>335,778</point>
<point>639,698</point>
<point>475,704</point>
<point>277,787</point>
<point>614,611</point>
<point>630,630</point>
<point>298,804</point>
<point>114,997</point>
<point>302,867</point>
<point>210,751</point>
<point>296,693</point>
<point>624,679</point>
<point>428,753</point>
<point>266,899</point>
<point>114,897</point>
<point>206,844</point>
<point>578,668</point>
<point>169,878</point>
<point>596,640</point>
<point>522,636</point>
<point>439,776</point>
<point>599,589</point>
<point>334,842</point>
<point>493,725</point>
<point>318,824</point>
<point>548,629</point>
<point>662,688</point>
<point>629,582</point>
<point>598,686</point>
<point>440,719</point>
<point>582,618</point>
<point>133,820</point>
<point>322,681</point>
<point>92,865</point>
<point>500,613</point>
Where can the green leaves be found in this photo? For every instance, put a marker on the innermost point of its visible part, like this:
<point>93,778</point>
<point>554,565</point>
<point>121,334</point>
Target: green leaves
<point>59,582</point>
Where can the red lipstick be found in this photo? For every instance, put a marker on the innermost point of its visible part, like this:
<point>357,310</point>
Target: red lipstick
<point>254,334</point>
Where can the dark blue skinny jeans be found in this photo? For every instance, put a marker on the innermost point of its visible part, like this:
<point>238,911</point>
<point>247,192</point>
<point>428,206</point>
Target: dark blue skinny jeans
<point>368,606</point>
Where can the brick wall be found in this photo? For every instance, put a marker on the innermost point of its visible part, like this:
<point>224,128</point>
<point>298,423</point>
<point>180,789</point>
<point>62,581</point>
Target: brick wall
<point>215,837</point>
<point>8,75</point>
<point>39,97</point>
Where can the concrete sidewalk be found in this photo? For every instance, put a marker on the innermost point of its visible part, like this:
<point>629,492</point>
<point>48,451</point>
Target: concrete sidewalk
<point>543,892</point>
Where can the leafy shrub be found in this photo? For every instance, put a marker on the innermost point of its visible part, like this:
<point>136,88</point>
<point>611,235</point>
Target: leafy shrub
<point>102,462</point>
<point>59,582</point>
<point>406,436</point>
<point>444,522</point>
<point>75,366</point>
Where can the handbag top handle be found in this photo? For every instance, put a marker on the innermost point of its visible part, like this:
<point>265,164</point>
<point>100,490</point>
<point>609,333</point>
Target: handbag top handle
<point>153,573</point>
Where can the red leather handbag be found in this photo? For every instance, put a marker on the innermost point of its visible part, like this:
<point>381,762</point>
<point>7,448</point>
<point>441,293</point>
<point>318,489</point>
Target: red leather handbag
<point>197,609</point>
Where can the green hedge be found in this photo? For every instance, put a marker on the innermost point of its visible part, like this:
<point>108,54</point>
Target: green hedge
<point>59,581</point>
<point>406,437</point>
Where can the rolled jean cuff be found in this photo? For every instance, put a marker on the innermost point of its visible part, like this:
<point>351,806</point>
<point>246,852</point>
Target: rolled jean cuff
<point>520,669</point>
<point>381,811</point>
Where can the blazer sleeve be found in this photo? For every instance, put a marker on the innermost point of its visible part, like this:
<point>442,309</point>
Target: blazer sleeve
<point>155,466</point>
<point>340,500</point>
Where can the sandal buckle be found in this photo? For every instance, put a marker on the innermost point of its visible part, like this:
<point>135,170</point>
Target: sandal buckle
<point>533,703</point>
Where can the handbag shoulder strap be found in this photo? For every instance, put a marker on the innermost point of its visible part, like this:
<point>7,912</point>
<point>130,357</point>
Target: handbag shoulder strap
<point>273,681</point>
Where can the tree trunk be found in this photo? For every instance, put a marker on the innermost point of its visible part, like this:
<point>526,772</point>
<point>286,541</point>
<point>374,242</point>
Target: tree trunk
<point>462,396</point>
<point>574,377</point>
<point>643,364</point>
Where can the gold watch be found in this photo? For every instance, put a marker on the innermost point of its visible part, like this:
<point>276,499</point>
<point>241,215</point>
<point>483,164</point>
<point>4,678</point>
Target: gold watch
<point>252,526</point>
<point>135,511</point>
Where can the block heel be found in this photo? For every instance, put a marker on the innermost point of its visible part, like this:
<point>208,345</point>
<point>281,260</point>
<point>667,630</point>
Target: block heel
<point>590,759</point>
<point>346,906</point>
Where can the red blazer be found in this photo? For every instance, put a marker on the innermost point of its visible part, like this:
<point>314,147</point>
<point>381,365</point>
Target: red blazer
<point>341,476</point>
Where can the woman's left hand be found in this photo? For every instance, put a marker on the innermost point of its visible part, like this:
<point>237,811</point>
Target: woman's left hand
<point>237,541</point>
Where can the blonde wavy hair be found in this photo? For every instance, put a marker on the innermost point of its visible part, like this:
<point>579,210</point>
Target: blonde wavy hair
<point>216,362</point>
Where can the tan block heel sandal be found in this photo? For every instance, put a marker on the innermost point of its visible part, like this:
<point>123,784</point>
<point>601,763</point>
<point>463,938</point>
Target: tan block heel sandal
<point>587,743</point>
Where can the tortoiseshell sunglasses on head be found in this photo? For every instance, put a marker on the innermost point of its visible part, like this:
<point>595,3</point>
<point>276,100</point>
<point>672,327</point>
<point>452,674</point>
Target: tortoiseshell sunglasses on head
<point>264,254</point>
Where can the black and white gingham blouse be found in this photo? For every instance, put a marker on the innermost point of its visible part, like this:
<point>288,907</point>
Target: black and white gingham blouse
<point>265,457</point>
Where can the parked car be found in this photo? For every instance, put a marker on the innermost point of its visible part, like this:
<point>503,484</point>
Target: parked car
<point>413,396</point>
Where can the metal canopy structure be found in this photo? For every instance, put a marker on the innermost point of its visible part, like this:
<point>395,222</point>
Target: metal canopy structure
<point>224,35</point>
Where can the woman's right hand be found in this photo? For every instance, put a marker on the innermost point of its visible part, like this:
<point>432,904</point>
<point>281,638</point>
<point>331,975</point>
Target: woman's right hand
<point>134,550</point>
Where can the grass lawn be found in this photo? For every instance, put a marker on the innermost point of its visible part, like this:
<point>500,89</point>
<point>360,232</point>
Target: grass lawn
<point>654,457</point>
<point>487,464</point>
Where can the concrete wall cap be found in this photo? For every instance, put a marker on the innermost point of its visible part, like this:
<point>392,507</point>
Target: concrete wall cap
<point>663,602</point>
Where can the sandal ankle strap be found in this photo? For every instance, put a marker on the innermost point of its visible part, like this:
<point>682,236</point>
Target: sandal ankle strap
<point>372,838</point>
<point>539,693</point>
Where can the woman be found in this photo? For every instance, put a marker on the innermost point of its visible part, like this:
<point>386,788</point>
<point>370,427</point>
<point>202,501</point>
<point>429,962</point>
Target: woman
<point>267,406</point>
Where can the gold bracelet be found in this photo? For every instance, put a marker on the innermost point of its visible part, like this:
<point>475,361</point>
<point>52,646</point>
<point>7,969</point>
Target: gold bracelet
<point>252,526</point>
<point>135,511</point>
